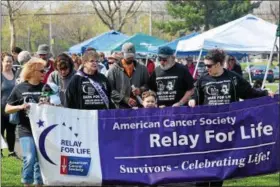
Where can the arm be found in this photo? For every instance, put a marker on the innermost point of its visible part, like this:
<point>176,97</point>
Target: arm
<point>245,91</point>
<point>189,83</point>
<point>185,98</point>
<point>9,109</point>
<point>14,102</point>
<point>198,96</point>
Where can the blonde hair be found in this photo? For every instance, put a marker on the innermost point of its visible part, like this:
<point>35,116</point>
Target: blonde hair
<point>29,68</point>
<point>89,55</point>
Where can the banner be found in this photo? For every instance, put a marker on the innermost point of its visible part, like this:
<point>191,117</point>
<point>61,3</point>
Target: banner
<point>157,146</point>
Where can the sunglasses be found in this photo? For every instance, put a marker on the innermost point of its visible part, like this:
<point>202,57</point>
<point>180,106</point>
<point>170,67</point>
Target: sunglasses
<point>162,59</point>
<point>42,71</point>
<point>209,65</point>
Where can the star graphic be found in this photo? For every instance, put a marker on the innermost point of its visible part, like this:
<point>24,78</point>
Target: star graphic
<point>40,123</point>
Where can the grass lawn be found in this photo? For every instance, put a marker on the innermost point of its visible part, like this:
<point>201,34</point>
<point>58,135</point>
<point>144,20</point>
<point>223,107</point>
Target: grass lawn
<point>10,171</point>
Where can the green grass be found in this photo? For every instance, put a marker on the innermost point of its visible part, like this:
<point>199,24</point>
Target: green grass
<point>244,64</point>
<point>264,180</point>
<point>272,87</point>
<point>11,174</point>
<point>11,171</point>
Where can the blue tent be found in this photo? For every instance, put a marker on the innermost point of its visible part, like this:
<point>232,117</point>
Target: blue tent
<point>173,44</point>
<point>101,43</point>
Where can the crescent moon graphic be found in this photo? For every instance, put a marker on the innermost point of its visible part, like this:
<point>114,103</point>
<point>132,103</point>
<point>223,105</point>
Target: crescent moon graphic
<point>84,89</point>
<point>42,139</point>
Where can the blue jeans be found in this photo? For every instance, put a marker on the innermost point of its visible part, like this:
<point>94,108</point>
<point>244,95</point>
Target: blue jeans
<point>31,169</point>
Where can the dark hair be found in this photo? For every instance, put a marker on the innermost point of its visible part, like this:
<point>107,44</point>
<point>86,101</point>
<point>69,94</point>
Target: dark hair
<point>16,50</point>
<point>90,49</point>
<point>64,61</point>
<point>231,58</point>
<point>216,55</point>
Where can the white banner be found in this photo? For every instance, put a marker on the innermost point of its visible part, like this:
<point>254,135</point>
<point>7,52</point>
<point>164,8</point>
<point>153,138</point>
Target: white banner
<point>67,145</point>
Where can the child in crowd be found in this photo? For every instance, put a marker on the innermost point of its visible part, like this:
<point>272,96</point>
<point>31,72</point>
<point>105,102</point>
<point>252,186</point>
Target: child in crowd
<point>149,99</point>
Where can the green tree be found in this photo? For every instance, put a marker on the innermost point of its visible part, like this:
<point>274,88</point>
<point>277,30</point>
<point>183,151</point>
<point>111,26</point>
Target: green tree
<point>203,14</point>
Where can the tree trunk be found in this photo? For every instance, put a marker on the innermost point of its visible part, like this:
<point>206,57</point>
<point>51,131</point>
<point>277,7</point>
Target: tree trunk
<point>206,17</point>
<point>13,33</point>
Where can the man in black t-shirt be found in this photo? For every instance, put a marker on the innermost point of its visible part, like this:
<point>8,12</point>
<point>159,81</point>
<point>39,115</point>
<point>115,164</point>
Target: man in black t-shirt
<point>171,81</point>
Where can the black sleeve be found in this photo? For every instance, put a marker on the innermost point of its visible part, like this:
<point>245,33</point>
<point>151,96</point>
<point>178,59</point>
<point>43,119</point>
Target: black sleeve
<point>238,70</point>
<point>198,95</point>
<point>71,93</point>
<point>245,91</point>
<point>15,97</point>
<point>152,82</point>
<point>188,79</point>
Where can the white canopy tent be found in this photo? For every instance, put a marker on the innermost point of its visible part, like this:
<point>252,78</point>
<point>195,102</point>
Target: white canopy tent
<point>248,34</point>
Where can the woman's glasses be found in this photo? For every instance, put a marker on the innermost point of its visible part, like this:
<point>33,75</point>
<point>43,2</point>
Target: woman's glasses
<point>42,71</point>
<point>209,65</point>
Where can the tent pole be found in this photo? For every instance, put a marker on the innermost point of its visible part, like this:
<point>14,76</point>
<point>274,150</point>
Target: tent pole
<point>269,62</point>
<point>197,62</point>
<point>250,77</point>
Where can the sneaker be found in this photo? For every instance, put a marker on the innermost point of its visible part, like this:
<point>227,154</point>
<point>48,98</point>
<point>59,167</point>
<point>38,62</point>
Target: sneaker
<point>13,154</point>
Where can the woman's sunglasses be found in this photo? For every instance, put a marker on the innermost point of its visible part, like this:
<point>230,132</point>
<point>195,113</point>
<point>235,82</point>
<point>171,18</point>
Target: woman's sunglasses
<point>209,65</point>
<point>42,71</point>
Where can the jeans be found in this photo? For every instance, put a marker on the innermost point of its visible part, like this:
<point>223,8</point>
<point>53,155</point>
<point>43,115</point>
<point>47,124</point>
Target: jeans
<point>31,169</point>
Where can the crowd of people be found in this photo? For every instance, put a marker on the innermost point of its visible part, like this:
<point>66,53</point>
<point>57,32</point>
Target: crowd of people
<point>120,81</point>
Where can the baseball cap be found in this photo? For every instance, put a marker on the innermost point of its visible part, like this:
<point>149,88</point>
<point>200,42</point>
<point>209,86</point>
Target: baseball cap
<point>165,52</point>
<point>43,49</point>
<point>128,50</point>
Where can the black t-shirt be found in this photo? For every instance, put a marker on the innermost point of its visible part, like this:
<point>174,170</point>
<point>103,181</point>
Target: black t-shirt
<point>171,85</point>
<point>25,93</point>
<point>224,89</point>
<point>217,90</point>
<point>81,94</point>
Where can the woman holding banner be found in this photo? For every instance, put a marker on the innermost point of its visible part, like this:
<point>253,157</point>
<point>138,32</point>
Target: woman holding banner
<point>89,89</point>
<point>220,86</point>
<point>26,92</point>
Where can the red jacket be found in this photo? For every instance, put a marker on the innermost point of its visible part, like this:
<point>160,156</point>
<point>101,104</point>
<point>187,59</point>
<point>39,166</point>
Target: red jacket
<point>191,70</point>
<point>150,66</point>
<point>49,71</point>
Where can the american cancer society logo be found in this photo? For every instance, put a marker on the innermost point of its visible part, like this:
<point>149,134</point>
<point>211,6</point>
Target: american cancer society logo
<point>76,164</point>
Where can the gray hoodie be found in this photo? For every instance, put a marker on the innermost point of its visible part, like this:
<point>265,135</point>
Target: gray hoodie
<point>121,83</point>
<point>61,82</point>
